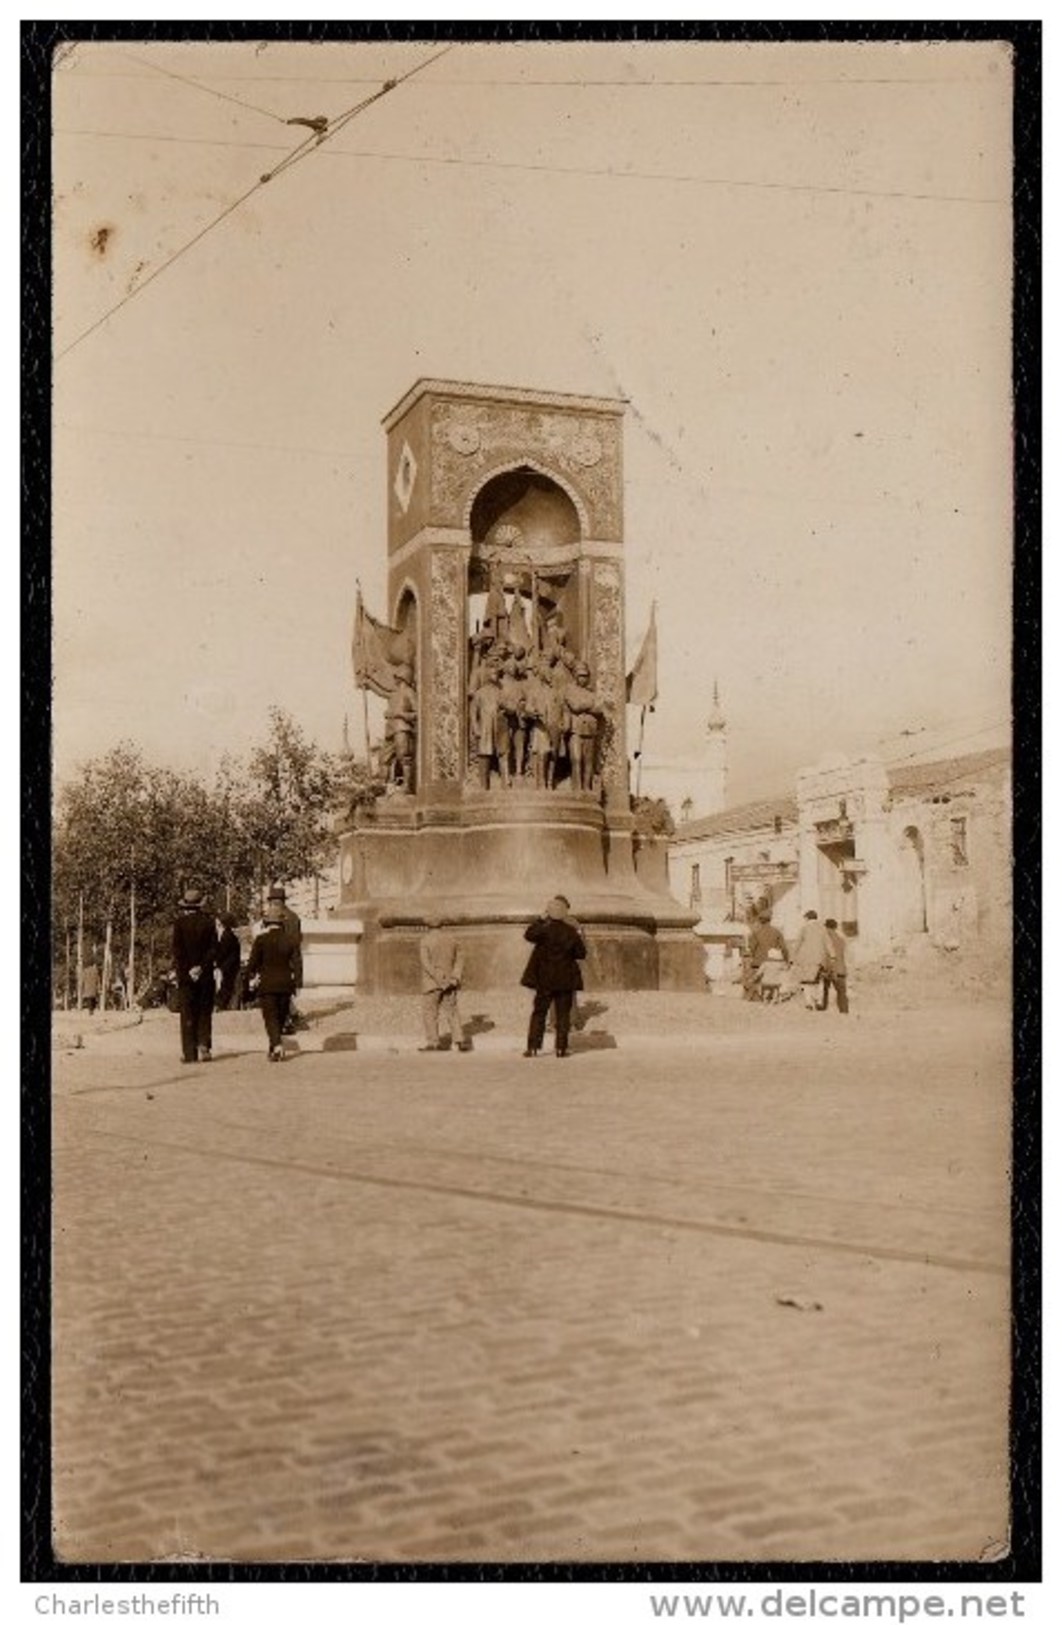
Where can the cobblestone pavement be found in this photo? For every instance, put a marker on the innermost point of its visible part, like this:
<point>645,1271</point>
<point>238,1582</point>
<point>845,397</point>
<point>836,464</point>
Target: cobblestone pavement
<point>739,1299</point>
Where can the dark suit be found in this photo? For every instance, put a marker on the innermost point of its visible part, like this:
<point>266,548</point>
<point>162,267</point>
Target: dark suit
<point>228,963</point>
<point>553,973</point>
<point>836,974</point>
<point>276,960</point>
<point>195,945</point>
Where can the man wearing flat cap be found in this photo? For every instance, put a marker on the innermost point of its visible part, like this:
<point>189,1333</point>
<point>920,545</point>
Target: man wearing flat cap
<point>195,944</point>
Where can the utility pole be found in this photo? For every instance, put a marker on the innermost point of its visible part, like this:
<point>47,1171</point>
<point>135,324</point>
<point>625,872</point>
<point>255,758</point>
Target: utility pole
<point>80,945</point>
<point>130,983</point>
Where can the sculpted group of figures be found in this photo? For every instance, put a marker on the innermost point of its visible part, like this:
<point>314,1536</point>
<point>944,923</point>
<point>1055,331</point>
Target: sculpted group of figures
<point>531,713</point>
<point>534,716</point>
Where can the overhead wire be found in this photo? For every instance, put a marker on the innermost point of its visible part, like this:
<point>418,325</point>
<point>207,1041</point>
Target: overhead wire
<point>545,169</point>
<point>208,90</point>
<point>312,142</point>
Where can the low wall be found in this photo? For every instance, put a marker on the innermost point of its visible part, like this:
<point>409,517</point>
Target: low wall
<point>330,952</point>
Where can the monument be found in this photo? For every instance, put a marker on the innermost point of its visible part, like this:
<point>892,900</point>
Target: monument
<point>503,668</point>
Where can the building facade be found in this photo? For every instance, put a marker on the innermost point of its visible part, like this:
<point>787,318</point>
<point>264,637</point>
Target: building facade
<point>891,853</point>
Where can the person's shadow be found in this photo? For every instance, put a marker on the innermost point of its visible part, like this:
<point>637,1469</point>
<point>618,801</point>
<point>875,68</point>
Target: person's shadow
<point>587,1010</point>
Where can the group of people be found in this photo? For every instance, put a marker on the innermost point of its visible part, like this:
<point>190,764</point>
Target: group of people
<point>532,711</point>
<point>817,962</point>
<point>207,969</point>
<point>552,973</point>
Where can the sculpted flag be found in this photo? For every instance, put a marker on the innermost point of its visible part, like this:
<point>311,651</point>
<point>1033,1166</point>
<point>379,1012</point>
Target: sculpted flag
<point>378,649</point>
<point>641,682</point>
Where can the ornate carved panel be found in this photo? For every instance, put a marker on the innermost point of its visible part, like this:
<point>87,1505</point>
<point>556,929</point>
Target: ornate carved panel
<point>607,649</point>
<point>442,703</point>
<point>470,438</point>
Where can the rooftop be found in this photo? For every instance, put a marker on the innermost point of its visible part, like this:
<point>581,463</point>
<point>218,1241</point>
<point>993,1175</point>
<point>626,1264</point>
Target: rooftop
<point>735,820</point>
<point>922,778</point>
<point>905,779</point>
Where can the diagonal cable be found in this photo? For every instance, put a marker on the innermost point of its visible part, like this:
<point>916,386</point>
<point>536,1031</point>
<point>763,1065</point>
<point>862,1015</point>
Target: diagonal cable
<point>208,90</point>
<point>311,143</point>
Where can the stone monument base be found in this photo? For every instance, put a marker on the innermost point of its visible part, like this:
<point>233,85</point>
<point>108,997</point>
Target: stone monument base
<point>486,866</point>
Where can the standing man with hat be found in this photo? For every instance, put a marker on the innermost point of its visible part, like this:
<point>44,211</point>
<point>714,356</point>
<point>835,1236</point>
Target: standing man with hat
<point>553,973</point>
<point>195,944</point>
<point>293,926</point>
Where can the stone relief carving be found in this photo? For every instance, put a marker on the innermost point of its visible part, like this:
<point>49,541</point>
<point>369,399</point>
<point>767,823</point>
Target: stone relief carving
<point>469,438</point>
<point>607,645</point>
<point>447,658</point>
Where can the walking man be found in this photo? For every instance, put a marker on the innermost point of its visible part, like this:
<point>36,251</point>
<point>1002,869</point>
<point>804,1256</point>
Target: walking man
<point>195,944</point>
<point>811,958</point>
<point>440,981</point>
<point>553,974</point>
<point>836,975</point>
<point>293,926</point>
<point>763,940</point>
<point>228,960</point>
<point>274,968</point>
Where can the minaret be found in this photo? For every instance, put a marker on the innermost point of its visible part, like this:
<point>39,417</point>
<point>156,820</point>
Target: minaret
<point>714,792</point>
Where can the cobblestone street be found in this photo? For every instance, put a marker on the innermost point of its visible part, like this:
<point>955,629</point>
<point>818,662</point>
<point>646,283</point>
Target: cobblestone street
<point>743,1298</point>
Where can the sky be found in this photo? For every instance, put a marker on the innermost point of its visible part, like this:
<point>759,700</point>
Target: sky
<point>794,262</point>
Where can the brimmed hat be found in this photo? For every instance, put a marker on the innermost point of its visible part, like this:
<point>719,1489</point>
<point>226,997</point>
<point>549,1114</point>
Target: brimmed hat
<point>277,893</point>
<point>192,898</point>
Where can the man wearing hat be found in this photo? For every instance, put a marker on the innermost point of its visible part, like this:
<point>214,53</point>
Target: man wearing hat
<point>228,960</point>
<point>812,958</point>
<point>553,973</point>
<point>274,963</point>
<point>195,944</point>
<point>293,926</point>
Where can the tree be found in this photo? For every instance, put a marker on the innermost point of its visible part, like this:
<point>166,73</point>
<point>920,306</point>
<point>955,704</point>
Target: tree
<point>284,814</point>
<point>129,837</point>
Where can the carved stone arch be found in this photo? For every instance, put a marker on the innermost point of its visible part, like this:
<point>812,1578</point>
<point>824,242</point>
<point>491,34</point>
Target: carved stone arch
<point>510,465</point>
<point>407,586</point>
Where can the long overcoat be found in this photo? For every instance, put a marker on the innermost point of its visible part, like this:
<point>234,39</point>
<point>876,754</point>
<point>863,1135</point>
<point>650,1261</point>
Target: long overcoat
<point>554,963</point>
<point>813,952</point>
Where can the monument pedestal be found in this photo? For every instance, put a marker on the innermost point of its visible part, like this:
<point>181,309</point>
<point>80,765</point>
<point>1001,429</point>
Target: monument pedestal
<point>487,866</point>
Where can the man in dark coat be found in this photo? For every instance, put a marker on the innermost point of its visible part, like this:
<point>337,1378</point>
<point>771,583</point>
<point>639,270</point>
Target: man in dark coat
<point>762,938</point>
<point>553,973</point>
<point>293,926</point>
<point>273,968</point>
<point>228,960</point>
<point>836,973</point>
<point>195,943</point>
